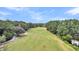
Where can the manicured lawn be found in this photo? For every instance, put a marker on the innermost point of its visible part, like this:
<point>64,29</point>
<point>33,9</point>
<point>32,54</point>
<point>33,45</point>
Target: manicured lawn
<point>38,39</point>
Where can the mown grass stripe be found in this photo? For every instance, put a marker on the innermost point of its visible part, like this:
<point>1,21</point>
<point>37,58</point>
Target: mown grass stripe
<point>38,39</point>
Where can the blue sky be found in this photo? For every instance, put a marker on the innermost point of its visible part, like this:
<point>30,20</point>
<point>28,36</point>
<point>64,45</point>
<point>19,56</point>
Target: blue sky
<point>38,14</point>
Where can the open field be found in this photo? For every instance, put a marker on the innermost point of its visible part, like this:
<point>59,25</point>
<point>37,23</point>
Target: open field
<point>38,39</point>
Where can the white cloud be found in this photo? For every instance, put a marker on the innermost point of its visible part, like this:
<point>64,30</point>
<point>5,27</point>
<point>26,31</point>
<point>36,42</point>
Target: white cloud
<point>15,8</point>
<point>37,16</point>
<point>58,18</point>
<point>73,11</point>
<point>4,13</point>
<point>2,18</point>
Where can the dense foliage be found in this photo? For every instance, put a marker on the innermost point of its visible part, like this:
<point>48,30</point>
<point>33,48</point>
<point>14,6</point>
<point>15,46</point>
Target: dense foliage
<point>66,29</point>
<point>10,28</point>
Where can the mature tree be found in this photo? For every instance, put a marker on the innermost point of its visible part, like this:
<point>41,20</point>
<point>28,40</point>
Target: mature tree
<point>66,29</point>
<point>52,26</point>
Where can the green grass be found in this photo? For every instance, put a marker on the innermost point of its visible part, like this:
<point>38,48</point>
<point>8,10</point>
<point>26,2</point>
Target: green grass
<point>38,39</point>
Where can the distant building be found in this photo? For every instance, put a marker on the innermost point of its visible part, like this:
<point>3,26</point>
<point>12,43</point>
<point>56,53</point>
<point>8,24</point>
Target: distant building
<point>75,40</point>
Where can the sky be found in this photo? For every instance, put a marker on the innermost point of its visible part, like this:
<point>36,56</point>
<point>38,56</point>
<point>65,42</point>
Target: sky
<point>38,14</point>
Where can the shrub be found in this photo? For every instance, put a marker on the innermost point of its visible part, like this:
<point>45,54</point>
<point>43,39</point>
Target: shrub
<point>19,30</point>
<point>9,35</point>
<point>2,38</point>
<point>66,37</point>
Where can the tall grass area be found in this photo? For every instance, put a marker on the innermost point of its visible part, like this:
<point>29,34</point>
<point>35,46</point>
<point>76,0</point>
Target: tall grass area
<point>38,39</point>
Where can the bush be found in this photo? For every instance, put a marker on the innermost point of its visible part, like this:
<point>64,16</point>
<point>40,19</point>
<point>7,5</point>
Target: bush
<point>19,30</point>
<point>8,35</point>
<point>2,38</point>
<point>66,37</point>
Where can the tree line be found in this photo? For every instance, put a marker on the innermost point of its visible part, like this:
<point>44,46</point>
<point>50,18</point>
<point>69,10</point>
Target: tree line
<point>9,28</point>
<point>66,29</point>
